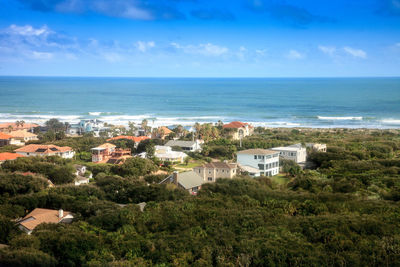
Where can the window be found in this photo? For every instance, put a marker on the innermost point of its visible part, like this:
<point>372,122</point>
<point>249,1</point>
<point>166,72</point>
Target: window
<point>209,171</point>
<point>199,170</point>
<point>259,156</point>
<point>261,173</point>
<point>222,170</point>
<point>261,166</point>
<point>255,156</point>
<point>210,179</point>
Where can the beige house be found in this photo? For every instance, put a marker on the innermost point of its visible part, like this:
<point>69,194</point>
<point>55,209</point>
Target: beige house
<point>210,172</point>
<point>23,136</point>
<point>317,147</point>
<point>38,216</point>
<point>241,129</point>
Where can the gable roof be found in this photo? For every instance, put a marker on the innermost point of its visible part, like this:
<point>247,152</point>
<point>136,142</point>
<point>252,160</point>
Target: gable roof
<point>236,125</point>
<point>180,143</point>
<point>165,130</point>
<point>38,216</point>
<point>257,151</point>
<point>22,134</point>
<point>136,139</point>
<point>9,156</point>
<point>44,149</point>
<point>4,136</point>
<point>189,179</point>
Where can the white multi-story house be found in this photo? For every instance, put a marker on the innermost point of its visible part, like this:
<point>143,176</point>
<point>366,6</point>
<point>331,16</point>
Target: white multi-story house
<point>296,152</point>
<point>259,161</point>
<point>94,126</point>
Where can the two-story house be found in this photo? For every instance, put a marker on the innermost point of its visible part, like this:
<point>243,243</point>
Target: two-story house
<point>46,150</point>
<point>214,170</point>
<point>296,152</point>
<point>241,129</point>
<point>259,161</point>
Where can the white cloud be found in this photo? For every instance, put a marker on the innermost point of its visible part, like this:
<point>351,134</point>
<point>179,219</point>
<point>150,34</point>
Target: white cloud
<point>329,50</point>
<point>261,52</point>
<point>355,52</point>
<point>202,49</point>
<point>144,46</point>
<point>294,54</point>
<point>41,55</point>
<point>112,57</point>
<point>27,30</point>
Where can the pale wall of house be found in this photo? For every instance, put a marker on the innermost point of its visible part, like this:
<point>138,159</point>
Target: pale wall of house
<point>270,163</point>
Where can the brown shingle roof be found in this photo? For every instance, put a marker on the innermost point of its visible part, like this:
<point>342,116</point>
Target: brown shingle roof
<point>38,216</point>
<point>45,149</point>
<point>257,151</point>
<point>219,165</point>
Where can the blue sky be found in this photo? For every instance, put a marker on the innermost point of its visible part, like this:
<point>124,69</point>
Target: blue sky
<point>198,38</point>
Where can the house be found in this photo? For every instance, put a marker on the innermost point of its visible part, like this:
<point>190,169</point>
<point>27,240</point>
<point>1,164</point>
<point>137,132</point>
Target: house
<point>241,129</point>
<point>46,150</point>
<point>5,139</point>
<point>23,136</point>
<point>80,171</point>
<point>259,162</point>
<point>191,146</point>
<point>94,126</point>
<point>135,139</point>
<point>317,147</point>
<point>296,152</point>
<point>8,156</point>
<point>102,152</point>
<point>210,172</point>
<point>161,132</point>
<point>38,216</point>
<point>13,126</point>
<point>108,153</point>
<point>189,181</point>
<point>165,153</point>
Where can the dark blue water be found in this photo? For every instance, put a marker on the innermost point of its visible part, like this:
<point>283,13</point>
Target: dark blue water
<point>319,102</point>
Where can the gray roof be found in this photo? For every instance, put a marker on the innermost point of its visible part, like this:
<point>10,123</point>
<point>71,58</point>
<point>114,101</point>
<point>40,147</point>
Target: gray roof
<point>180,143</point>
<point>257,151</point>
<point>189,179</point>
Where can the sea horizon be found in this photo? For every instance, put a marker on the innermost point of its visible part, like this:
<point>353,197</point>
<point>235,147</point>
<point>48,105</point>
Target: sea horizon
<point>314,102</point>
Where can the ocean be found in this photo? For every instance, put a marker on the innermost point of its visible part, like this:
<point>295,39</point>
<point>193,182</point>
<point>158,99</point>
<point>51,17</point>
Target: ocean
<point>275,102</point>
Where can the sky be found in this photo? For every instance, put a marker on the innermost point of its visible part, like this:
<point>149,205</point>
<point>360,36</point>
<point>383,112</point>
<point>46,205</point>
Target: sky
<point>200,38</point>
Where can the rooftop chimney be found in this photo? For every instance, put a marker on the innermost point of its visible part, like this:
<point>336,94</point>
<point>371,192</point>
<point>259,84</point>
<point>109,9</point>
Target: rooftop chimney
<point>175,177</point>
<point>60,213</point>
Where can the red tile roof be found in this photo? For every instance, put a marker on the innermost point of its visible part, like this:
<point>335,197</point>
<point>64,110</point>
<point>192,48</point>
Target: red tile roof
<point>9,156</point>
<point>4,136</point>
<point>14,125</point>
<point>136,139</point>
<point>48,149</point>
<point>236,125</point>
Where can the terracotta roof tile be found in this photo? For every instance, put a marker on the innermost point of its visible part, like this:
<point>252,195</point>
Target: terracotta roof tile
<point>9,156</point>
<point>22,134</point>
<point>136,139</point>
<point>45,149</point>
<point>236,125</point>
<point>4,136</point>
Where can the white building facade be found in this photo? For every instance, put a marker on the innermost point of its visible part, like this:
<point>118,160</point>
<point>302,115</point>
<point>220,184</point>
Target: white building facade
<point>297,153</point>
<point>260,162</point>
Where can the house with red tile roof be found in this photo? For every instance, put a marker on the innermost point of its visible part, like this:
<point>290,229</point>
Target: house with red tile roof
<point>38,216</point>
<point>5,139</point>
<point>23,136</point>
<point>9,156</point>
<point>136,139</point>
<point>161,132</point>
<point>241,129</point>
<point>13,126</point>
<point>46,150</point>
<point>109,153</point>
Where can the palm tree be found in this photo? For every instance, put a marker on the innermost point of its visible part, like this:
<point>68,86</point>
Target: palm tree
<point>197,127</point>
